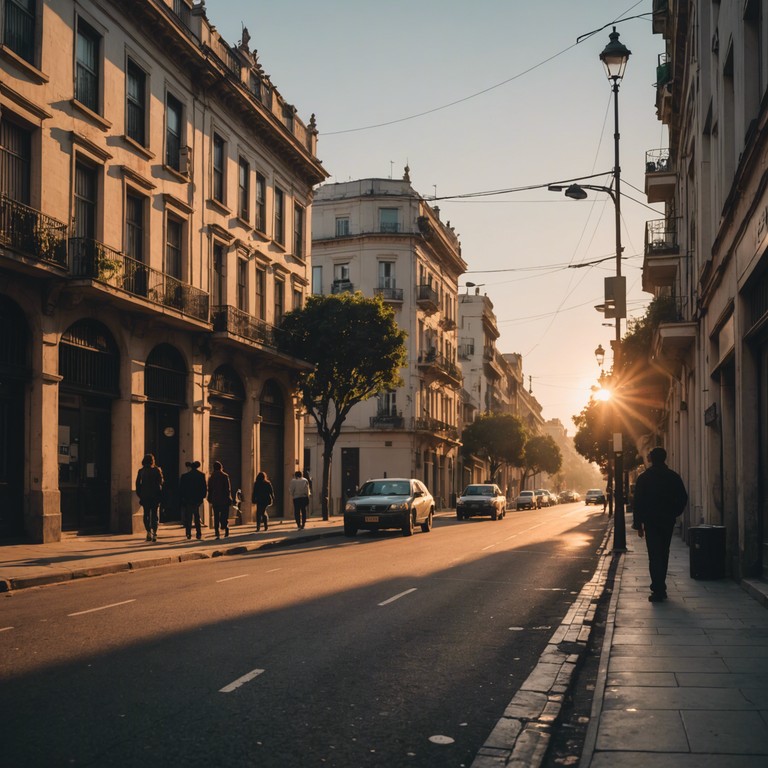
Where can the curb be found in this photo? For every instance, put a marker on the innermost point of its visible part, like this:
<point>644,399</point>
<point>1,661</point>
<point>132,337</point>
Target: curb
<point>522,735</point>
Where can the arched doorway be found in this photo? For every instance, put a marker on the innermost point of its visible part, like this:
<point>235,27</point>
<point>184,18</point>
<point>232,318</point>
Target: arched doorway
<point>272,412</point>
<point>165,385</point>
<point>226,395</point>
<point>90,366</point>
<point>14,373</point>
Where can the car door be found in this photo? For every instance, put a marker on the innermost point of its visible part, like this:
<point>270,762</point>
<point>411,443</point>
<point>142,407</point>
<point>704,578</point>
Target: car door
<point>420,502</point>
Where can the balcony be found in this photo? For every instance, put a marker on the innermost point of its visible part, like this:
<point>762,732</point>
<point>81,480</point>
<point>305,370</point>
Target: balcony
<point>390,293</point>
<point>440,367</point>
<point>664,89</point>
<point>466,351</point>
<point>235,323</point>
<point>342,286</point>
<point>95,261</point>
<point>661,18</point>
<point>491,363</point>
<point>436,427</point>
<point>32,235</point>
<point>661,237</point>
<point>447,324</point>
<point>660,178</point>
<point>675,336</point>
<point>426,299</point>
<point>387,421</point>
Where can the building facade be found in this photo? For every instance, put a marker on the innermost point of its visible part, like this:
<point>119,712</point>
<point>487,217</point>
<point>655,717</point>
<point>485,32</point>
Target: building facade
<point>379,236</point>
<point>155,193</point>
<point>708,260</point>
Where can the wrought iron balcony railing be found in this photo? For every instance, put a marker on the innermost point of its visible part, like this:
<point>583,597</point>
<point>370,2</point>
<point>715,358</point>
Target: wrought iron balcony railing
<point>96,261</point>
<point>234,321</point>
<point>661,236</point>
<point>432,359</point>
<point>387,421</point>
<point>390,294</point>
<point>342,286</point>
<point>32,233</point>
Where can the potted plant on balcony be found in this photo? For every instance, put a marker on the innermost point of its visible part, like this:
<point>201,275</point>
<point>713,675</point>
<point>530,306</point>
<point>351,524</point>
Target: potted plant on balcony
<point>107,264</point>
<point>47,243</point>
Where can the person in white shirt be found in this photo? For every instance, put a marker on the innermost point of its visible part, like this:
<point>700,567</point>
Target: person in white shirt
<point>300,493</point>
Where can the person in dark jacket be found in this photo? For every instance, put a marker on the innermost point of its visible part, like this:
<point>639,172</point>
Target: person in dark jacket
<point>660,498</point>
<point>220,498</point>
<point>149,489</point>
<point>192,492</point>
<point>263,496</point>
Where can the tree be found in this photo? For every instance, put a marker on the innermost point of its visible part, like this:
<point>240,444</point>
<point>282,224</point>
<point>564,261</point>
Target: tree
<point>496,438</point>
<point>540,454</point>
<point>357,350</point>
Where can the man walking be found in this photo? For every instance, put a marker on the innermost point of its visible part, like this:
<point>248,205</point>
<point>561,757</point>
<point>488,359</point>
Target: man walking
<point>149,489</point>
<point>192,492</point>
<point>660,498</point>
<point>220,498</point>
<point>299,490</point>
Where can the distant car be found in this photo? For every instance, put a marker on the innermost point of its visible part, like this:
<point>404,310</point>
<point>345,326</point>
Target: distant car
<point>553,500</point>
<point>567,497</point>
<point>390,502</point>
<point>526,500</point>
<point>594,496</point>
<point>481,499</point>
<point>543,497</point>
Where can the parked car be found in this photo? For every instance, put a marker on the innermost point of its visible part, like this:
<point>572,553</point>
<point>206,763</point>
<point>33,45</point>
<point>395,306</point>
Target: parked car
<point>567,497</point>
<point>543,498</point>
<point>553,500</point>
<point>594,496</point>
<point>390,502</point>
<point>526,500</point>
<point>481,499</point>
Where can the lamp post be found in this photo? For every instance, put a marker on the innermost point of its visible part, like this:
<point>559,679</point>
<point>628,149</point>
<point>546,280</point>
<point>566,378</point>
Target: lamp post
<point>614,57</point>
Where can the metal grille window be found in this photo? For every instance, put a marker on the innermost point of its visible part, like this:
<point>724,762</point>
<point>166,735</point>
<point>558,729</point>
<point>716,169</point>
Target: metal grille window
<point>261,281</point>
<point>242,285</point>
<point>85,200</point>
<point>279,216</point>
<point>88,359</point>
<point>134,227</point>
<point>87,68</point>
<point>243,189</point>
<point>136,101</point>
<point>173,240</point>
<point>15,161</point>
<point>173,114</point>
<point>298,231</point>
<point>19,28</point>
<point>218,168</point>
<point>165,376</point>
<point>261,203</point>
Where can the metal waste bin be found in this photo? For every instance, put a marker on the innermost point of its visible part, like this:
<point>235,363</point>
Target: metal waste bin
<point>707,550</point>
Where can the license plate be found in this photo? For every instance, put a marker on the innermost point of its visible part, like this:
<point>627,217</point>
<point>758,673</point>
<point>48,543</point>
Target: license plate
<point>371,518</point>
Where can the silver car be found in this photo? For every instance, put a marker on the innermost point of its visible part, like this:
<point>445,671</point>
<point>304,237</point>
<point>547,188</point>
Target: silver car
<point>390,502</point>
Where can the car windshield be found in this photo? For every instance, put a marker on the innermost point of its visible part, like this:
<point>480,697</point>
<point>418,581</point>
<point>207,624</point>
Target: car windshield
<point>385,488</point>
<point>478,490</point>
<point>526,493</point>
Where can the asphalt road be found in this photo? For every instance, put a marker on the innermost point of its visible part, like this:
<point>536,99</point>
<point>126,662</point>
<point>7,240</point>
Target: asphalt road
<point>375,651</point>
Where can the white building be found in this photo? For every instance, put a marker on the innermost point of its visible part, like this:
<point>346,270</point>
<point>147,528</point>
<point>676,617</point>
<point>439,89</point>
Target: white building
<point>378,236</point>
<point>155,204</point>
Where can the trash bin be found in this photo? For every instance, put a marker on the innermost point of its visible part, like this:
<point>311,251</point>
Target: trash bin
<point>707,550</point>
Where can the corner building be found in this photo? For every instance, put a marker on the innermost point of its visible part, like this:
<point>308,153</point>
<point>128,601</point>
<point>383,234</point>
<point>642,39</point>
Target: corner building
<point>379,236</point>
<point>155,193</point>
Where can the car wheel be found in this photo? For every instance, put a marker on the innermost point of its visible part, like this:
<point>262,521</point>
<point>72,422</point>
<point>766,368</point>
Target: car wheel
<point>349,530</point>
<point>495,515</point>
<point>459,515</point>
<point>408,526</point>
<point>426,526</point>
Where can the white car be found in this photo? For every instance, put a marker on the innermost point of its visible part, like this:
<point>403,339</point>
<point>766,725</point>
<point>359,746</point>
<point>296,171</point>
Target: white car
<point>390,502</point>
<point>481,499</point>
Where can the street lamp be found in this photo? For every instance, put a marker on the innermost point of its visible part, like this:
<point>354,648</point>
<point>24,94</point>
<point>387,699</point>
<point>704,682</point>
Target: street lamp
<point>614,57</point>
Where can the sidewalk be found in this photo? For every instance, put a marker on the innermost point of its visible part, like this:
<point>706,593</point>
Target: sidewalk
<point>682,683</point>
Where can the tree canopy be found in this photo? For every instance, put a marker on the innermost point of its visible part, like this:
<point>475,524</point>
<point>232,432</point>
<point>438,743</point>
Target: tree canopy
<point>541,454</point>
<point>357,350</point>
<point>497,438</point>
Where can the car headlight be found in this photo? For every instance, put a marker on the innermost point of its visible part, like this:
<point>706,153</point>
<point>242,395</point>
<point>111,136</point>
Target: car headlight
<point>399,506</point>
<point>350,507</point>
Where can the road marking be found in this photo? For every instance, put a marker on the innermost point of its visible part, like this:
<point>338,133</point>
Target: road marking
<point>101,608</point>
<point>490,546</point>
<point>397,597</point>
<point>241,681</point>
<point>272,570</point>
<point>232,578</point>
<point>5,629</point>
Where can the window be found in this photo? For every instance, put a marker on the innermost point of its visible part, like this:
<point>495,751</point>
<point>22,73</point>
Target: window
<point>261,281</point>
<point>218,169</point>
<point>388,220</point>
<point>134,226</point>
<point>254,84</point>
<point>173,240</point>
<point>87,66</point>
<point>298,231</point>
<point>86,187</point>
<point>342,226</point>
<point>388,403</point>
<point>19,28</point>
<point>279,216</point>
<point>243,188</point>
<point>288,118</point>
<point>387,274</point>
<point>297,296</point>
<point>279,301</point>
<point>261,203</point>
<point>15,161</point>
<point>317,280</point>
<point>173,114</point>
<point>136,103</point>
<point>341,273</point>
<point>217,294</point>
<point>242,284</point>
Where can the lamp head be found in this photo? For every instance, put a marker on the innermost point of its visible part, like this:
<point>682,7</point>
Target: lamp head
<point>600,355</point>
<point>614,57</point>
<point>575,192</point>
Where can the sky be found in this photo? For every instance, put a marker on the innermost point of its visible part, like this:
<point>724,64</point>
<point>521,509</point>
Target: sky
<point>485,96</point>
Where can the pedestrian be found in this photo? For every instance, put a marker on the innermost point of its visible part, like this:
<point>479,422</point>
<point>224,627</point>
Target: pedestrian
<point>263,496</point>
<point>300,493</point>
<point>660,498</point>
<point>192,493</point>
<point>149,489</point>
<point>220,498</point>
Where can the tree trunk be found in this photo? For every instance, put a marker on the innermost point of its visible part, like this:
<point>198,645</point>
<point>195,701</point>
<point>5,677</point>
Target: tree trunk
<point>326,493</point>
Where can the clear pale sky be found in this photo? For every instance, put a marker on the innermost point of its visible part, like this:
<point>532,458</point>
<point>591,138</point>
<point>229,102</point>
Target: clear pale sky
<point>533,107</point>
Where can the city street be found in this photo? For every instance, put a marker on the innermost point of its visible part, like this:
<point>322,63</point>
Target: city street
<point>375,651</point>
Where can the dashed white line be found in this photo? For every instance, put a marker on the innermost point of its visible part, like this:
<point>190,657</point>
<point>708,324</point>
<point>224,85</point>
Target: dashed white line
<point>397,597</point>
<point>5,629</point>
<point>232,578</point>
<point>272,570</point>
<point>101,608</point>
<point>241,681</point>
